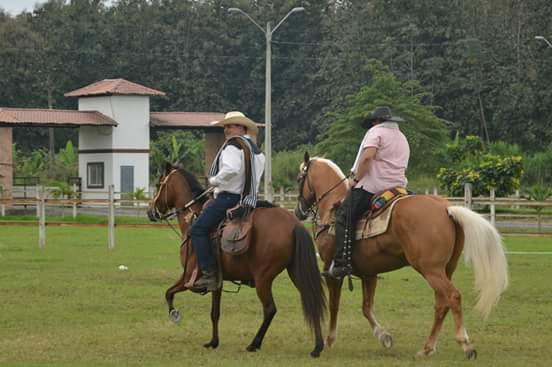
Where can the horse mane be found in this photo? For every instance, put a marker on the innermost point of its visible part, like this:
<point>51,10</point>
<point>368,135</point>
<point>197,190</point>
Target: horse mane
<point>330,163</point>
<point>195,187</point>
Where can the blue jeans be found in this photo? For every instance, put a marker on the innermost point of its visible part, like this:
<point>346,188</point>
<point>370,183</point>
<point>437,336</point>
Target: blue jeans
<point>209,218</point>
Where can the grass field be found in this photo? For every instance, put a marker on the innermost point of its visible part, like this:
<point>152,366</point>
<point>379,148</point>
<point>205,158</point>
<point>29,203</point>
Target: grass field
<point>69,305</point>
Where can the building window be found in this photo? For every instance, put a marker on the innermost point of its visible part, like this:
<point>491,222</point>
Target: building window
<point>95,177</point>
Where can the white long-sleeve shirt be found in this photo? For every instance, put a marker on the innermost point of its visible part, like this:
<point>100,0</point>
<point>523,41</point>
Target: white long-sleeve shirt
<point>231,174</point>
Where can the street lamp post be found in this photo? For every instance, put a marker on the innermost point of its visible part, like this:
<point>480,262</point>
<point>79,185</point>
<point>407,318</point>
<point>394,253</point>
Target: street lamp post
<point>268,95</point>
<point>544,39</point>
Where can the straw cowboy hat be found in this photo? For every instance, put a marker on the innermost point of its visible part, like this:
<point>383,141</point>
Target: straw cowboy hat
<point>237,118</point>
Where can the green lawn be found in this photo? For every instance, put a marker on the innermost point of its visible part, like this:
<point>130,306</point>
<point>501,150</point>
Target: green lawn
<point>69,305</point>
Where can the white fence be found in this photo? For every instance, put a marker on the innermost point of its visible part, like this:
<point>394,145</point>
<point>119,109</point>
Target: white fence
<point>40,197</point>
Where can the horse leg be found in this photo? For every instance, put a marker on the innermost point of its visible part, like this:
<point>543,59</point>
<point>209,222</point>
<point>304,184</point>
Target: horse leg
<point>215,315</point>
<point>334,289</point>
<point>264,292</point>
<point>368,292</point>
<point>174,314</point>
<point>446,297</point>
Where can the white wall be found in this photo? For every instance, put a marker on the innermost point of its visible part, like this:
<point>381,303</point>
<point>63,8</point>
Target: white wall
<point>84,159</point>
<point>132,113</point>
<point>141,169</point>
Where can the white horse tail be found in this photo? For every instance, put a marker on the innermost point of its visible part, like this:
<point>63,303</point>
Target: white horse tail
<point>484,250</point>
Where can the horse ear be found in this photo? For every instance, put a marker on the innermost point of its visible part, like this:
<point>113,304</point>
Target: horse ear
<point>168,167</point>
<point>307,157</point>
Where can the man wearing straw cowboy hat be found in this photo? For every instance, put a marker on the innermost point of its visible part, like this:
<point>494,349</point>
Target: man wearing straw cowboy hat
<point>380,165</point>
<point>228,176</point>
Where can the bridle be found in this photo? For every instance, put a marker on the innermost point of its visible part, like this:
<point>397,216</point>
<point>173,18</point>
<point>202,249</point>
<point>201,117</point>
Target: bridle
<point>155,214</point>
<point>303,207</point>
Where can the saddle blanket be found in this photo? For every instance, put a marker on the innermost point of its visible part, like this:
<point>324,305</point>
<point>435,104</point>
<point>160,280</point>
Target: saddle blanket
<point>370,227</point>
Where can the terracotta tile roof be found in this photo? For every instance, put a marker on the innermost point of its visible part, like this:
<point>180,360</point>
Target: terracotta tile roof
<point>186,119</point>
<point>113,86</point>
<point>52,118</point>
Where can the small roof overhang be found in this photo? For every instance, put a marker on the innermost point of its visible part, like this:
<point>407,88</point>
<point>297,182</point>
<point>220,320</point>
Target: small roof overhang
<point>186,120</point>
<point>108,87</point>
<point>19,117</point>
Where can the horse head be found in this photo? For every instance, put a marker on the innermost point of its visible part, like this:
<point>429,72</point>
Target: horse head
<point>318,179</point>
<point>163,200</point>
<point>176,189</point>
<point>306,197</point>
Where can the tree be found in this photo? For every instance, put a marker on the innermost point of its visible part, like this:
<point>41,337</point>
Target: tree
<point>425,132</point>
<point>177,147</point>
<point>468,161</point>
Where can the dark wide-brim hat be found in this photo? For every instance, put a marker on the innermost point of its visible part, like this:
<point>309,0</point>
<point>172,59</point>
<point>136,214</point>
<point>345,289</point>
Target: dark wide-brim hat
<point>382,113</point>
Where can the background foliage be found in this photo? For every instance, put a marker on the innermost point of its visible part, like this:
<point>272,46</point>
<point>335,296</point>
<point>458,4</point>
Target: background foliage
<point>469,162</point>
<point>473,64</point>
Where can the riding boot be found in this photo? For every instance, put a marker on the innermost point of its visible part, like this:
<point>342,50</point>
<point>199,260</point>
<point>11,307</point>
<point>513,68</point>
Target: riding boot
<point>339,267</point>
<point>208,282</point>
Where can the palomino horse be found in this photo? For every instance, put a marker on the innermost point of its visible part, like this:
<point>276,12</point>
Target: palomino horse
<point>279,241</point>
<point>425,232</point>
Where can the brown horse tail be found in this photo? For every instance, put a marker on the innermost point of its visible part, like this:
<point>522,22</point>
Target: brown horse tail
<point>303,271</point>
<point>483,249</point>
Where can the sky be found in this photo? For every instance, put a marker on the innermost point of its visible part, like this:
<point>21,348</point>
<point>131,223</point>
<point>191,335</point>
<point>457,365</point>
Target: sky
<point>15,7</point>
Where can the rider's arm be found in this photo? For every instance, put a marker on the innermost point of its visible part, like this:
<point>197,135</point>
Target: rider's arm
<point>231,161</point>
<point>364,161</point>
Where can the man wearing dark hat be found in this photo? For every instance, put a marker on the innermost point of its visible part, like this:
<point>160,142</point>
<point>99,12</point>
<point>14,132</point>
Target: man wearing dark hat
<point>228,175</point>
<point>380,164</point>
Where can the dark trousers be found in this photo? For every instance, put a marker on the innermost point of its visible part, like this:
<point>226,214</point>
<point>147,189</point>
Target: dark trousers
<point>355,204</point>
<point>209,218</point>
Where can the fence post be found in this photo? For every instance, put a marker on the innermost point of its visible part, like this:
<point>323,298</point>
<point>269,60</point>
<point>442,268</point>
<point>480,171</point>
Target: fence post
<point>2,205</point>
<point>493,214</point>
<point>74,201</point>
<point>435,192</point>
<point>468,195</point>
<point>426,191</point>
<point>516,206</point>
<point>111,219</point>
<point>282,194</point>
<point>40,204</point>
<point>37,194</point>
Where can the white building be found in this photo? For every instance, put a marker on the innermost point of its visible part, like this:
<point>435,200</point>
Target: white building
<point>114,122</point>
<point>115,155</point>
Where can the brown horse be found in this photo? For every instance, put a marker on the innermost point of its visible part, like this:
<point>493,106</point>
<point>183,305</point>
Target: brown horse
<point>425,232</point>
<point>279,241</point>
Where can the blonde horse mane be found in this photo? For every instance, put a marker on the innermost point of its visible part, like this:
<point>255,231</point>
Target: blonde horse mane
<point>331,164</point>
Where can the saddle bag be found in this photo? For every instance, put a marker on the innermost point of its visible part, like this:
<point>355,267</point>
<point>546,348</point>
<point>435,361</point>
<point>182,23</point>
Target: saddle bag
<point>236,233</point>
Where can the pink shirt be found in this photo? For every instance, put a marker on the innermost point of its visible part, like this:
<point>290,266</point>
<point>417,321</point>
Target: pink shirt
<point>387,169</point>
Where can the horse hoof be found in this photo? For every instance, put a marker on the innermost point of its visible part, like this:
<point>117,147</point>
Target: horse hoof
<point>425,353</point>
<point>330,340</point>
<point>471,354</point>
<point>315,354</point>
<point>251,348</point>
<point>212,344</point>
<point>386,341</point>
<point>174,316</point>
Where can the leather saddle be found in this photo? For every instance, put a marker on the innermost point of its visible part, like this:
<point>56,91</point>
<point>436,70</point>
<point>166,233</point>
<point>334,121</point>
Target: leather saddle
<point>375,221</point>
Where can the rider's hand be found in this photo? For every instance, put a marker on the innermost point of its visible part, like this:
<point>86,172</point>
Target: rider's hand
<point>213,182</point>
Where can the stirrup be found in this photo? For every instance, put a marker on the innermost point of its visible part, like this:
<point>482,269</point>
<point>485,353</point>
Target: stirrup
<point>337,272</point>
<point>209,286</point>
